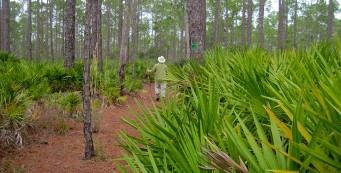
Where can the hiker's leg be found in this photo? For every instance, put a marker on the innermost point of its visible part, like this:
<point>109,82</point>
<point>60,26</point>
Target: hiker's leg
<point>163,89</point>
<point>157,90</point>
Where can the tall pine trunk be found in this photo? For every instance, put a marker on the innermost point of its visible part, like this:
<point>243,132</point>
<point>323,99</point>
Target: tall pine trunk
<point>51,30</point>
<point>46,36</point>
<point>295,24</point>
<point>124,45</point>
<point>330,19</point>
<point>89,147</point>
<point>69,53</point>
<point>120,23</point>
<point>175,44</point>
<point>188,45</point>
<point>261,23</point>
<point>63,34</point>
<point>108,25</point>
<point>1,36</point>
<point>226,23</point>
<point>249,23</point>
<point>94,41</point>
<point>203,18</point>
<point>29,31</point>
<point>216,23</point>
<point>243,23</point>
<point>99,36</point>
<point>280,24</point>
<point>197,28</point>
<point>134,37</point>
<point>6,25</point>
<point>233,33</point>
<point>182,32</point>
<point>38,31</point>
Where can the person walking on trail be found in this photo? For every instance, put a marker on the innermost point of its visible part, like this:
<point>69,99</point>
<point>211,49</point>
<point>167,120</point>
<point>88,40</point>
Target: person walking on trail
<point>160,70</point>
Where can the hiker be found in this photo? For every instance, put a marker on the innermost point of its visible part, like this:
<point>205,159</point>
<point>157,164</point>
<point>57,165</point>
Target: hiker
<point>160,70</point>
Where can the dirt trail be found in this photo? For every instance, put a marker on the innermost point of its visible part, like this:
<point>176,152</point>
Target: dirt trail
<point>58,153</point>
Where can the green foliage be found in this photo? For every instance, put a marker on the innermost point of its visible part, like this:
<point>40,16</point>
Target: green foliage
<point>18,88</point>
<point>246,110</point>
<point>5,57</point>
<point>64,80</point>
<point>70,102</point>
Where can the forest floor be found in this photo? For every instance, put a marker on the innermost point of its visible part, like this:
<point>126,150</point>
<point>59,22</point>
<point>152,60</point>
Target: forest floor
<point>52,152</point>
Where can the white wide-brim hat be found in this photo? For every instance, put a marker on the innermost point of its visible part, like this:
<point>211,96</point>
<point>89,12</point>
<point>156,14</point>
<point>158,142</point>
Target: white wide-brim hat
<point>161,59</point>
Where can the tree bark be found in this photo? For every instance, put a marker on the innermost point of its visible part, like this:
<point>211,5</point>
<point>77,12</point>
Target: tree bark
<point>216,23</point>
<point>63,33</point>
<point>120,23</point>
<point>233,34</point>
<point>134,37</point>
<point>1,23</point>
<point>6,25</point>
<point>69,53</point>
<point>89,147</point>
<point>188,46</point>
<point>94,41</point>
<point>181,52</point>
<point>124,45</point>
<point>330,19</point>
<point>280,25</point>
<point>51,31</point>
<point>108,25</point>
<point>203,18</point>
<point>261,22</point>
<point>286,20</point>
<point>99,36</point>
<point>175,44</point>
<point>197,28</point>
<point>249,23</point>
<point>295,24</point>
<point>29,31</point>
<point>38,31</point>
<point>46,35</point>
<point>243,23</point>
<point>226,23</point>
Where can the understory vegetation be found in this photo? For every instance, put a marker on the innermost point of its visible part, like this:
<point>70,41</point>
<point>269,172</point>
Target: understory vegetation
<point>32,91</point>
<point>245,111</point>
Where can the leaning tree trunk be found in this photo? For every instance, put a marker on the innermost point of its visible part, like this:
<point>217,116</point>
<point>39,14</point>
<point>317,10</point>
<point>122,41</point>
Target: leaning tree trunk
<point>249,23</point>
<point>124,45</point>
<point>69,52</point>
<point>29,31</point>
<point>330,19</point>
<point>197,28</point>
<point>89,147</point>
<point>261,22</point>
<point>6,25</point>
<point>216,23</point>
